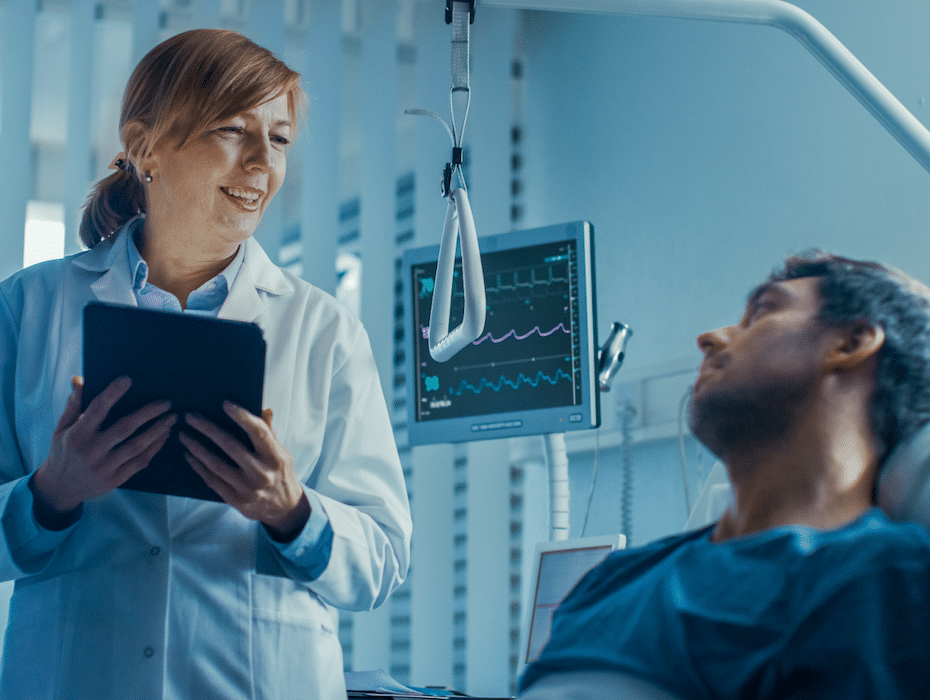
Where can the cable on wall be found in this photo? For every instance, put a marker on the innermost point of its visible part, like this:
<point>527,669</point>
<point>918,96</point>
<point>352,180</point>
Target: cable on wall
<point>681,448</point>
<point>627,414</point>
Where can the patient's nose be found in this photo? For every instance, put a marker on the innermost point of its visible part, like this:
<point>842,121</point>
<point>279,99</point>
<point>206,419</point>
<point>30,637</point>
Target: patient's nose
<point>714,340</point>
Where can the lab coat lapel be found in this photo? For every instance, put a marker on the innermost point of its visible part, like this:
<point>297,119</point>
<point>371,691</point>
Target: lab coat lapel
<point>257,275</point>
<point>111,257</point>
<point>245,302</point>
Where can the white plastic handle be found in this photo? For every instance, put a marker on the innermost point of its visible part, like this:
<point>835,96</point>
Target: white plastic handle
<point>442,343</point>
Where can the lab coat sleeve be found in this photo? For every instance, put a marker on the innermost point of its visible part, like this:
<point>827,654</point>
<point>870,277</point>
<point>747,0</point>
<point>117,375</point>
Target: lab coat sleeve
<point>355,549</point>
<point>25,546</point>
<point>309,552</point>
<point>30,545</point>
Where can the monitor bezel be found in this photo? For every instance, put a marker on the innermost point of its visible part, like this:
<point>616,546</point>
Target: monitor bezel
<point>538,421</point>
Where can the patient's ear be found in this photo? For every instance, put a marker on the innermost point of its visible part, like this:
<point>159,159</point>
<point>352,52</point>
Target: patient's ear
<point>855,344</point>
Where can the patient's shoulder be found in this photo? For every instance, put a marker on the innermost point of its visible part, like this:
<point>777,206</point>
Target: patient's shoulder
<point>872,561</point>
<point>876,537</point>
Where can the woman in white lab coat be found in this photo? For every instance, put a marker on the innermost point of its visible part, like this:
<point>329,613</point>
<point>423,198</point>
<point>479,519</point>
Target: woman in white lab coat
<point>123,594</point>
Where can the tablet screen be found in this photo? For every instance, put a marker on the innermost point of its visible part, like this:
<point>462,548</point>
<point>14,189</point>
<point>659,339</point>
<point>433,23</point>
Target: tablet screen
<point>196,362</point>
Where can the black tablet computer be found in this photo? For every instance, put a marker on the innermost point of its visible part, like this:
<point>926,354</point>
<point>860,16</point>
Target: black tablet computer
<point>194,361</point>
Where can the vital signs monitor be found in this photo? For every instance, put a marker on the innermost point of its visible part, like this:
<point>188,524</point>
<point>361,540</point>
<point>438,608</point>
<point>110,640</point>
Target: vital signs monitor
<point>532,370</point>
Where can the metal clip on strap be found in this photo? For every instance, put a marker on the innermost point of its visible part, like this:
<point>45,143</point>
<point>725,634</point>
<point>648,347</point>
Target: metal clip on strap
<point>471,10</point>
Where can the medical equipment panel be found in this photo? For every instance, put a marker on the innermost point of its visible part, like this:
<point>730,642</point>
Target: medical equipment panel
<point>557,567</point>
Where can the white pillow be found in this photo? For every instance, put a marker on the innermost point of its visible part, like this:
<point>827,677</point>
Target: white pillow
<point>716,494</point>
<point>904,482</point>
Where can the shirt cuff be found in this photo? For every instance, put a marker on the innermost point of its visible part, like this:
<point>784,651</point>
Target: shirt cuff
<point>28,540</point>
<point>310,550</point>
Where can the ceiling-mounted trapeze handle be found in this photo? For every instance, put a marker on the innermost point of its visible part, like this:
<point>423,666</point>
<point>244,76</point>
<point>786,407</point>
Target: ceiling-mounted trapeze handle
<point>443,344</point>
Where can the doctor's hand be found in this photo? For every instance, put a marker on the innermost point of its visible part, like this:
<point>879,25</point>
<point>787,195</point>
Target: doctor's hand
<point>85,462</point>
<point>260,484</point>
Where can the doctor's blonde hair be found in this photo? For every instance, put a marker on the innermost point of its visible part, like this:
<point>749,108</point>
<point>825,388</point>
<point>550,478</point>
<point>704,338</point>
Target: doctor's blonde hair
<point>181,87</point>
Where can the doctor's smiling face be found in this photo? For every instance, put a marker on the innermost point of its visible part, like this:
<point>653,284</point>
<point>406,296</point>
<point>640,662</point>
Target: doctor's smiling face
<point>756,375</point>
<point>220,182</point>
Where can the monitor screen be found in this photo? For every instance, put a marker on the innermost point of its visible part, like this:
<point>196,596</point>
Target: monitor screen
<point>558,566</point>
<point>532,370</point>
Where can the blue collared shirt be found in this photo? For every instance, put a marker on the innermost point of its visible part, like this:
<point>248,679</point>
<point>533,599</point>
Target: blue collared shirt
<point>207,299</point>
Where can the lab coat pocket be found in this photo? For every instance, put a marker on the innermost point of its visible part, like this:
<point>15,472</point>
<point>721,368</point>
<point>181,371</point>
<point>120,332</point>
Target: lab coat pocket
<point>295,649</point>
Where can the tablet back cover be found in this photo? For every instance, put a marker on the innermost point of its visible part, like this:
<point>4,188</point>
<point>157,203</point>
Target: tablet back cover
<point>196,362</point>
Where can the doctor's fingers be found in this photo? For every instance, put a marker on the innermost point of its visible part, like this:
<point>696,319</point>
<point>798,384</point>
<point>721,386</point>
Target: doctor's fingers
<point>261,495</point>
<point>72,409</point>
<point>217,473</point>
<point>123,430</point>
<point>83,470</point>
<point>101,404</point>
<point>135,454</point>
<point>246,477</point>
<point>132,448</point>
<point>238,453</point>
<point>268,448</point>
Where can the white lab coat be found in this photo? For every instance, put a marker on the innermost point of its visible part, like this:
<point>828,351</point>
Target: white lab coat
<point>150,596</point>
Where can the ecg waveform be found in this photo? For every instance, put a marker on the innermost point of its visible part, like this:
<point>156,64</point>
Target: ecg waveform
<point>513,384</point>
<point>500,284</point>
<point>509,281</point>
<point>513,334</point>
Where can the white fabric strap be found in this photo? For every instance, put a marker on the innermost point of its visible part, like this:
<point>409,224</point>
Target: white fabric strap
<point>460,94</point>
<point>459,226</point>
<point>460,22</point>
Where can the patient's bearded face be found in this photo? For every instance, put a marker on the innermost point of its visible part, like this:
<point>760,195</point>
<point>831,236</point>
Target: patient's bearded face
<point>757,375</point>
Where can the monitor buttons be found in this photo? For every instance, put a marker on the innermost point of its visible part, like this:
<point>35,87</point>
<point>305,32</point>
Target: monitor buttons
<point>482,427</point>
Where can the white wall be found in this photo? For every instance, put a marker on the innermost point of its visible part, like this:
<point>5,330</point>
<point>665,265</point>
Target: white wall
<point>705,152</point>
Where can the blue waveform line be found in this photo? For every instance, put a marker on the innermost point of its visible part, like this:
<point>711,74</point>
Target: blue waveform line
<point>520,337</point>
<point>521,379</point>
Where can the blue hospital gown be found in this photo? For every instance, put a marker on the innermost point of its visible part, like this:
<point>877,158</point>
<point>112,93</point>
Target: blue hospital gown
<point>792,612</point>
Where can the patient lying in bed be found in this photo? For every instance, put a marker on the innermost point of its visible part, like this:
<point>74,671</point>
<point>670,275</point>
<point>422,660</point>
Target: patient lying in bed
<point>803,588</point>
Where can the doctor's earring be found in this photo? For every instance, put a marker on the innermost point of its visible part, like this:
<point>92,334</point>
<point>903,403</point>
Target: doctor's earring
<point>148,176</point>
